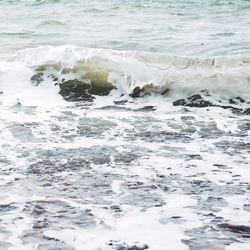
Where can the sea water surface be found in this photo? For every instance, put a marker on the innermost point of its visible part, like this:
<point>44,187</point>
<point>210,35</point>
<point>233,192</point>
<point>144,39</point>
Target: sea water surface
<point>124,125</point>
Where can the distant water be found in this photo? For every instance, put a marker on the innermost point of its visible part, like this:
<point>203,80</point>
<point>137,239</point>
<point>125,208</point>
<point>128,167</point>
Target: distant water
<point>181,27</point>
<point>124,125</point>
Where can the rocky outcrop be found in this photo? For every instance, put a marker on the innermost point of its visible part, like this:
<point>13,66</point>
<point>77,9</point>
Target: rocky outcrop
<point>93,83</point>
<point>99,83</point>
<point>148,89</point>
<point>136,92</point>
<point>82,88</point>
<point>37,78</point>
<point>75,90</point>
<point>242,230</point>
<point>196,101</point>
<point>199,101</point>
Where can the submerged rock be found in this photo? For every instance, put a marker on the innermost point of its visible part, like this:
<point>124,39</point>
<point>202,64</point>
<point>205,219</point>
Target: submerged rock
<point>37,78</point>
<point>247,112</point>
<point>80,88</point>
<point>45,67</point>
<point>151,88</point>
<point>148,89</point>
<point>99,83</point>
<point>146,108</point>
<point>54,78</point>
<point>236,100</point>
<point>40,69</point>
<point>123,246</point>
<point>242,230</point>
<point>196,101</point>
<point>136,92</point>
<point>246,207</point>
<point>121,102</point>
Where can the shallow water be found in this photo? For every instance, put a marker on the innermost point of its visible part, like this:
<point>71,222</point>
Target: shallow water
<point>163,168</point>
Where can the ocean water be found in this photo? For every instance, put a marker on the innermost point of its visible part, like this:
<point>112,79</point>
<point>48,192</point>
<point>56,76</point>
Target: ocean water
<point>124,125</point>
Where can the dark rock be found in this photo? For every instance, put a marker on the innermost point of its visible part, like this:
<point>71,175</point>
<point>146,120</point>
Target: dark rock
<point>37,78</point>
<point>194,157</point>
<point>148,89</point>
<point>180,102</point>
<point>133,247</point>
<point>75,90</point>
<point>120,102</point>
<point>146,108</point>
<point>111,107</point>
<point>247,112</point>
<point>233,109</point>
<point>99,83</point>
<point>136,92</point>
<point>100,89</point>
<point>196,101</point>
<point>246,207</point>
<point>165,92</point>
<point>243,231</point>
<point>124,246</point>
<point>236,100</point>
<point>115,209</point>
<point>194,98</point>
<point>74,86</point>
<point>240,99</point>
<point>4,208</point>
<point>172,219</point>
<point>54,78</point>
<point>232,101</point>
<point>205,92</point>
<point>93,83</point>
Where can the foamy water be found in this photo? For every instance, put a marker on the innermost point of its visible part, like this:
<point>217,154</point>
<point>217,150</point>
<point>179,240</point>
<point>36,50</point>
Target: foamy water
<point>160,161</point>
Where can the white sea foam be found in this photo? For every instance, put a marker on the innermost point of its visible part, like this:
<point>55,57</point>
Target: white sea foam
<point>123,172</point>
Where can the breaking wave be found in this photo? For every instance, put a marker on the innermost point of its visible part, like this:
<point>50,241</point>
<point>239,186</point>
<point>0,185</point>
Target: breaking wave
<point>147,72</point>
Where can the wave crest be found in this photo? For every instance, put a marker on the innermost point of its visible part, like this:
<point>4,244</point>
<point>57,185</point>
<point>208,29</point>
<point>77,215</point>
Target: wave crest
<point>150,72</point>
